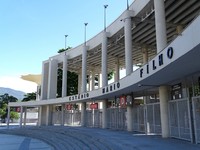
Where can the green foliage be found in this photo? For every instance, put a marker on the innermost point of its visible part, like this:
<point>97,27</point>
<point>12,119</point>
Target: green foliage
<point>4,100</point>
<point>29,96</point>
<point>14,115</point>
<point>62,50</point>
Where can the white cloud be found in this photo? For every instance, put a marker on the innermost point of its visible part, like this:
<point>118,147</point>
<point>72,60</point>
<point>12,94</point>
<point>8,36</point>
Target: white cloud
<point>15,82</point>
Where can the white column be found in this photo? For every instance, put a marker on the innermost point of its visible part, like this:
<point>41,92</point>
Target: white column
<point>45,76</point>
<point>52,86</point>
<point>100,80</point>
<point>104,114</point>
<point>39,115</point>
<point>129,114</point>
<point>128,44</point>
<point>8,117</point>
<point>104,70</point>
<point>117,71</point>
<point>25,115</point>
<point>92,80</point>
<point>179,29</point>
<point>145,55</point>
<point>63,115</point>
<point>130,118</point>
<point>161,41</point>
<point>79,82</point>
<point>83,114</point>
<point>64,77</point>
<point>84,69</point>
<point>49,115</point>
<point>21,117</point>
<point>164,97</point>
<point>38,92</point>
<point>161,36</point>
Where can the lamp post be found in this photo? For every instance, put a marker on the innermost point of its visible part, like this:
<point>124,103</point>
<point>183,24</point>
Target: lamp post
<point>85,33</point>
<point>66,41</point>
<point>127,4</point>
<point>105,6</point>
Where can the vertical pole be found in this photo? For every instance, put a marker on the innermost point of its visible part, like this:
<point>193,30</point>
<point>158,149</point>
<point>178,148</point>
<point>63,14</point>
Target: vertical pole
<point>161,42</point>
<point>52,86</point>
<point>104,115</point>
<point>40,116</point>
<point>64,77</point>
<point>104,60</point>
<point>163,94</point>
<point>45,76</point>
<point>63,115</point>
<point>21,117</point>
<point>8,117</point>
<point>84,65</point>
<point>128,44</point>
<point>83,114</point>
<point>25,115</point>
<point>117,75</point>
<point>129,113</point>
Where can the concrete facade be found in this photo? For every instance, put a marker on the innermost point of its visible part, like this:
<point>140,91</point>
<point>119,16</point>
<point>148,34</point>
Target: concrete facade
<point>162,39</point>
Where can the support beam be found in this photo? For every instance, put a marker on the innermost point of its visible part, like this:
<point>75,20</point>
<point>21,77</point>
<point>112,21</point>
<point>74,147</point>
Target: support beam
<point>128,44</point>
<point>64,77</point>
<point>104,115</point>
<point>129,113</point>
<point>83,114</point>
<point>104,60</point>
<point>45,76</point>
<point>8,117</point>
<point>21,116</point>
<point>25,115</point>
<point>63,115</point>
<point>164,98</point>
<point>52,86</point>
<point>84,69</point>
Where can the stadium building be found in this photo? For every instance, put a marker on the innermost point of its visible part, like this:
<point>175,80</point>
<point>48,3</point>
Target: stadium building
<point>161,38</point>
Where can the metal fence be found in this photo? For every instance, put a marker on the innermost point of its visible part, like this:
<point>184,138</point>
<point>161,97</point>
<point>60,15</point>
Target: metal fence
<point>196,113</point>
<point>56,117</point>
<point>139,118</point>
<point>146,118</point>
<point>117,118</point>
<point>72,117</point>
<point>94,118</point>
<point>179,117</point>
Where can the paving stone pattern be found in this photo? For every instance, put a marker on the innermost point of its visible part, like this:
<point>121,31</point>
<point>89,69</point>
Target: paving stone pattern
<point>80,138</point>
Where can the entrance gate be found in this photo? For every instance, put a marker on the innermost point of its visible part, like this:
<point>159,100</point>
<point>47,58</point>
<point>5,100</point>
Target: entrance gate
<point>180,124</point>
<point>147,118</point>
<point>196,114</point>
<point>94,118</point>
<point>72,117</point>
<point>117,118</point>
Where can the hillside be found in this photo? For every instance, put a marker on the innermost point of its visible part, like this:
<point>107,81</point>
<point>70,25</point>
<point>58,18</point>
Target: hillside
<point>18,94</point>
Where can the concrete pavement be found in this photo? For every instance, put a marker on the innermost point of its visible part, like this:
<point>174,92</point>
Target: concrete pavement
<point>13,142</point>
<point>80,138</point>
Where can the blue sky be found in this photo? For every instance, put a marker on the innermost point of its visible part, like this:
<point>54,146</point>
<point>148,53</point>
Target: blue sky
<point>33,30</point>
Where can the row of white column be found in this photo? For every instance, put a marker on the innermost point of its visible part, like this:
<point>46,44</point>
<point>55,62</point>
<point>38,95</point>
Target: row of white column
<point>161,40</point>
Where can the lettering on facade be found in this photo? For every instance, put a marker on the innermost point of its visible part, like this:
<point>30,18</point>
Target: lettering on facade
<point>78,96</point>
<point>145,69</point>
<point>111,88</point>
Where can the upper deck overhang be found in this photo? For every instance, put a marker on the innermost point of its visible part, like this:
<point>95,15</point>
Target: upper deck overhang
<point>178,60</point>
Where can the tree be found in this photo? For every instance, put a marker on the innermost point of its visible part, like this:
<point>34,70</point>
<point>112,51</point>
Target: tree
<point>14,115</point>
<point>4,100</point>
<point>29,96</point>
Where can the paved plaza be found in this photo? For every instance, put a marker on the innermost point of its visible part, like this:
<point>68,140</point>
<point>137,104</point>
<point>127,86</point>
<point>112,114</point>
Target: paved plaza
<point>80,138</point>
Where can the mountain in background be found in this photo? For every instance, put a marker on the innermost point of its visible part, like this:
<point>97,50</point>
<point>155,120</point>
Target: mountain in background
<point>18,94</point>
